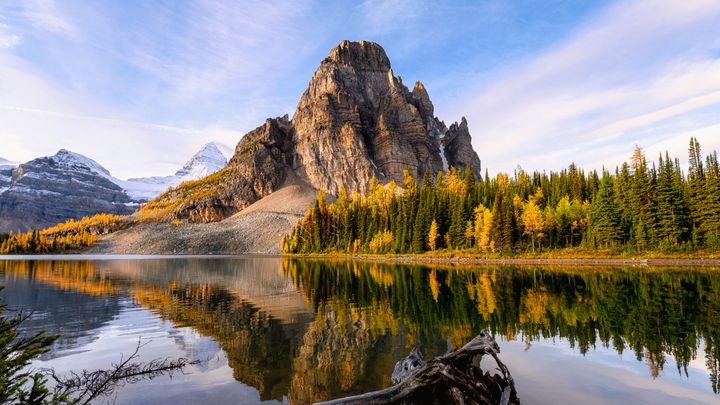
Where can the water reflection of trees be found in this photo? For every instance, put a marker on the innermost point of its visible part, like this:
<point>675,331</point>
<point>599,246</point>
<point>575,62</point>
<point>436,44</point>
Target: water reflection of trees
<point>365,316</point>
<point>650,311</point>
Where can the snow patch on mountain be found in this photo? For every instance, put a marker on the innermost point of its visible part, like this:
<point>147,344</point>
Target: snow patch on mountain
<point>75,161</point>
<point>206,161</point>
<point>7,164</point>
<point>6,168</point>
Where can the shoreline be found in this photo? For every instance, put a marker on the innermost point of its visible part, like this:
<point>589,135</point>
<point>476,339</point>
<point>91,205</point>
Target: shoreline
<point>516,261</point>
<point>418,259</point>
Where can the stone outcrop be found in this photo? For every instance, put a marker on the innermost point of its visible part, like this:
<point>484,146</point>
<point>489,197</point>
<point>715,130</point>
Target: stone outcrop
<point>258,168</point>
<point>457,143</point>
<point>355,121</point>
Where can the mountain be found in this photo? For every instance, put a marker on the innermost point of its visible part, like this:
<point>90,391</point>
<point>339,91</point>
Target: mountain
<point>52,189</point>
<point>6,168</point>
<point>355,121</point>
<point>205,162</point>
<point>4,163</point>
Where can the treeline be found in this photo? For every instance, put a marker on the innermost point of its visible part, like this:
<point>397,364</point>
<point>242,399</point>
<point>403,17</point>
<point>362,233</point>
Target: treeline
<point>641,206</point>
<point>72,234</point>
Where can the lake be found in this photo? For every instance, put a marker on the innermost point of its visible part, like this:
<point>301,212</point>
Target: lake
<point>282,330</point>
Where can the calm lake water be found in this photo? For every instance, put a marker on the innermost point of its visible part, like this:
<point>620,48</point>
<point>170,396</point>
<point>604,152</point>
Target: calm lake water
<point>274,330</point>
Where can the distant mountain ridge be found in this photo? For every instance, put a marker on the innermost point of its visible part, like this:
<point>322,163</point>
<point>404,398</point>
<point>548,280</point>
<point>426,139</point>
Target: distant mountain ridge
<point>53,189</point>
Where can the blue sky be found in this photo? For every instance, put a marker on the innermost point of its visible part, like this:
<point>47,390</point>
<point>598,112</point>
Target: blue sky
<point>140,85</point>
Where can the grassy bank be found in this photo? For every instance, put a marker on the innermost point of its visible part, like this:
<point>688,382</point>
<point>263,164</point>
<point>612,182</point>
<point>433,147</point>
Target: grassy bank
<point>561,256</point>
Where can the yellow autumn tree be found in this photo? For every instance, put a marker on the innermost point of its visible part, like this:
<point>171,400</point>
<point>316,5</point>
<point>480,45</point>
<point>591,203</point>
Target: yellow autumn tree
<point>483,226</point>
<point>381,241</point>
<point>469,233</point>
<point>433,235</point>
<point>533,218</point>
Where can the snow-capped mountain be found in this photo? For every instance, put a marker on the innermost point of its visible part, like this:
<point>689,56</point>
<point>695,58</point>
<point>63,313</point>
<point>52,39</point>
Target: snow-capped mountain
<point>4,163</point>
<point>6,168</point>
<point>52,189</point>
<point>206,161</point>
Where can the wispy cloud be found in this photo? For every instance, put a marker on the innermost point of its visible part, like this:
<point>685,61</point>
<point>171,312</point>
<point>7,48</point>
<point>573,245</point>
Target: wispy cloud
<point>45,15</point>
<point>602,90</point>
<point>154,85</point>
<point>139,86</point>
<point>7,38</point>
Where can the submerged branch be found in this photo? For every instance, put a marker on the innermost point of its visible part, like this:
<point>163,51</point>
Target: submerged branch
<point>452,378</point>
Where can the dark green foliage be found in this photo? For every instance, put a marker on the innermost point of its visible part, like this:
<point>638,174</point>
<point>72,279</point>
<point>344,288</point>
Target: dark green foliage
<point>605,215</point>
<point>640,207</point>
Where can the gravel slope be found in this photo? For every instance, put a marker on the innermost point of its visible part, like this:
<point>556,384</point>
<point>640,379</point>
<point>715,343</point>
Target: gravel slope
<point>256,229</point>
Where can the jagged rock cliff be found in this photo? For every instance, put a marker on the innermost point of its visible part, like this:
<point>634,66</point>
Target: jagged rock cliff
<point>355,121</point>
<point>258,168</point>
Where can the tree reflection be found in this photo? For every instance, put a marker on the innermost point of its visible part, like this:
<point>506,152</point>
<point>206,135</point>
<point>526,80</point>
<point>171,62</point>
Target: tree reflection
<point>652,311</point>
<point>358,318</point>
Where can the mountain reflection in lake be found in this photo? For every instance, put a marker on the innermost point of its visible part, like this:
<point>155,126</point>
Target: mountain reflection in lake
<point>301,330</point>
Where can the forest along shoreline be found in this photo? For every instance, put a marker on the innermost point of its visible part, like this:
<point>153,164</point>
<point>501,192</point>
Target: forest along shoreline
<point>517,261</point>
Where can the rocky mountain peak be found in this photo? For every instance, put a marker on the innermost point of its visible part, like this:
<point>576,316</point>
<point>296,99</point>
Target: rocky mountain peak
<point>52,189</point>
<point>208,159</point>
<point>355,121</point>
<point>73,160</point>
<point>422,100</point>
<point>361,56</point>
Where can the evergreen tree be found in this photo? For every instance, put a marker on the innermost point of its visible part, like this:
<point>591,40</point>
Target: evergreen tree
<point>604,214</point>
<point>696,188</point>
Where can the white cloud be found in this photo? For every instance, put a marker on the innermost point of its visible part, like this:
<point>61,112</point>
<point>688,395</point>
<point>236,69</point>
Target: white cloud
<point>634,67</point>
<point>7,38</point>
<point>223,58</point>
<point>677,143</point>
<point>45,15</point>
<point>222,45</point>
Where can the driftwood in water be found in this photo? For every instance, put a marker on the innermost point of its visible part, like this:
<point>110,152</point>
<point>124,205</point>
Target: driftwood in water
<point>454,378</point>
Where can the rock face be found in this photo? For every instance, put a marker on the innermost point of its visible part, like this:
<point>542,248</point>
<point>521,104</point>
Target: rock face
<point>52,189</point>
<point>355,121</point>
<point>258,168</point>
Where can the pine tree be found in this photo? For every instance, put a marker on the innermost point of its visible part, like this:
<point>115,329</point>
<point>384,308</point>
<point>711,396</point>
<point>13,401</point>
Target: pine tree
<point>710,210</point>
<point>696,188</point>
<point>604,214</point>
<point>456,233</point>
<point>670,210</point>
<point>641,193</point>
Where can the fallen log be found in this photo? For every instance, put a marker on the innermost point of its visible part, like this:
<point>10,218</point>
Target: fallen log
<point>454,378</point>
